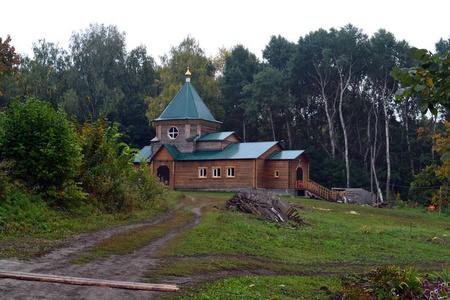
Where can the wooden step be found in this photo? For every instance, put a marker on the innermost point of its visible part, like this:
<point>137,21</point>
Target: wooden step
<point>90,281</point>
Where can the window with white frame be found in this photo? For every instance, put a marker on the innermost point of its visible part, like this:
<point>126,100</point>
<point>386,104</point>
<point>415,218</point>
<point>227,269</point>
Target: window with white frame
<point>202,172</point>
<point>230,172</point>
<point>216,172</point>
<point>172,133</point>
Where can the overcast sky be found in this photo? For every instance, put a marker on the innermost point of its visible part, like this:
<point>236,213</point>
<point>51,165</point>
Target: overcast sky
<point>161,24</point>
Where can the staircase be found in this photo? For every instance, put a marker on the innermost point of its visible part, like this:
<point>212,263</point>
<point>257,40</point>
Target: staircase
<point>317,190</point>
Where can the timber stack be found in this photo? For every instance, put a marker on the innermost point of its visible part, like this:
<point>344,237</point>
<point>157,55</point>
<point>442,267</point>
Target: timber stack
<point>266,205</point>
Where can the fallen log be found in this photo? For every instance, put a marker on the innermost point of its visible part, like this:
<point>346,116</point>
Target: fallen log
<point>89,281</point>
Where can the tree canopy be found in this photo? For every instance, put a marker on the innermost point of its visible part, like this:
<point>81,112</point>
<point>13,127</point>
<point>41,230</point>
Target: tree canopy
<point>329,93</point>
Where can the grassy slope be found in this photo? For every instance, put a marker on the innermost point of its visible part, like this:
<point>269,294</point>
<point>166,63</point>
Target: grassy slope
<point>338,234</point>
<point>340,239</point>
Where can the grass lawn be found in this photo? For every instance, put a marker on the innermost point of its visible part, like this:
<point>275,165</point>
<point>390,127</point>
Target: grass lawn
<point>340,239</point>
<point>274,261</point>
<point>337,234</point>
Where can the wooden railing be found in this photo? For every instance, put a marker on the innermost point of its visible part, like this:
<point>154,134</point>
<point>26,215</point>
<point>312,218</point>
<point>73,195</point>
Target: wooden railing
<point>316,189</point>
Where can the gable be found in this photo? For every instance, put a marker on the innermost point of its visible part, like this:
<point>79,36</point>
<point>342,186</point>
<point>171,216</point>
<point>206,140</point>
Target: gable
<point>166,152</point>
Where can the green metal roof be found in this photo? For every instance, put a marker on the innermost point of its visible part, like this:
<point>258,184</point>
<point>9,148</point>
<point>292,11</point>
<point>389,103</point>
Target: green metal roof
<point>287,154</point>
<point>187,104</point>
<point>232,151</point>
<point>215,136</point>
<point>172,150</point>
<point>143,154</point>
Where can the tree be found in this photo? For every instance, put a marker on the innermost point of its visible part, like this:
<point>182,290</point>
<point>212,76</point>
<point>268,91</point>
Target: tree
<point>9,60</point>
<point>443,171</point>
<point>331,62</point>
<point>44,76</point>
<point>266,100</point>
<point>430,80</point>
<point>98,56</point>
<point>279,52</point>
<point>240,67</point>
<point>138,85</point>
<point>386,53</point>
<point>42,143</point>
<point>443,46</point>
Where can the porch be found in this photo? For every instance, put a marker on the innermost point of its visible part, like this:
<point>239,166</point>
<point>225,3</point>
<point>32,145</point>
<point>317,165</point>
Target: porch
<point>316,190</point>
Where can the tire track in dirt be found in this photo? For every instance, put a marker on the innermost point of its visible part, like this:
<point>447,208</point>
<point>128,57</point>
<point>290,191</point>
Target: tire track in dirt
<point>130,267</point>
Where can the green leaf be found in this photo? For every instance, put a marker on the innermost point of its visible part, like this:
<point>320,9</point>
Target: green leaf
<point>433,67</point>
<point>400,92</point>
<point>434,111</point>
<point>446,156</point>
<point>418,53</point>
<point>419,87</point>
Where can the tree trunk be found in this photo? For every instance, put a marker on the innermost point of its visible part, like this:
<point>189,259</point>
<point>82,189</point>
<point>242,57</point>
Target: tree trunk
<point>385,95</point>
<point>372,158</point>
<point>271,123</point>
<point>288,129</point>
<point>344,130</point>
<point>322,82</point>
<point>243,129</point>
<point>343,84</point>
<point>408,143</point>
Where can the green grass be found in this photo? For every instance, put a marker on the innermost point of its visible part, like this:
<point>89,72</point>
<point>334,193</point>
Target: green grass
<point>338,234</point>
<point>209,266</point>
<point>263,287</point>
<point>31,228</point>
<point>341,241</point>
<point>135,239</point>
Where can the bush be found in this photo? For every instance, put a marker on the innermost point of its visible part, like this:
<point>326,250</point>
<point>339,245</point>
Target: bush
<point>42,143</point>
<point>425,186</point>
<point>106,172</point>
<point>390,282</point>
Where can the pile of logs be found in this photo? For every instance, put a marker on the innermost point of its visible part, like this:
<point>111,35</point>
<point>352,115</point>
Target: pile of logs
<point>266,205</point>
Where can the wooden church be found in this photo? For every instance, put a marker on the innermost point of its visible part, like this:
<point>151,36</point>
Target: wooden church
<point>188,153</point>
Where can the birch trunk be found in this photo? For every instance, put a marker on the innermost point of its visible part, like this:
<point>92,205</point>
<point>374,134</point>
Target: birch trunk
<point>322,82</point>
<point>386,95</point>
<point>372,159</point>
<point>288,129</point>
<point>343,84</point>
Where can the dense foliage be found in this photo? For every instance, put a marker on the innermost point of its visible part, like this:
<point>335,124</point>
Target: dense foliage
<point>330,93</point>
<point>49,166</point>
<point>41,142</point>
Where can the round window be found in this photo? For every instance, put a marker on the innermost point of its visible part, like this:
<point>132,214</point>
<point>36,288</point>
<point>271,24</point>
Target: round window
<point>173,132</point>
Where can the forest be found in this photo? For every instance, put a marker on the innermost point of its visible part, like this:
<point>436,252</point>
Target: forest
<point>331,93</point>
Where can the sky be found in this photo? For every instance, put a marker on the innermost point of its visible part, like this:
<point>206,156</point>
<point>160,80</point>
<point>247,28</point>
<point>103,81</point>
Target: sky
<point>160,25</point>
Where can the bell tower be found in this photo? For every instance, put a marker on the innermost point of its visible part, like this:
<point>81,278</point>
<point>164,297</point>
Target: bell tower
<point>185,119</point>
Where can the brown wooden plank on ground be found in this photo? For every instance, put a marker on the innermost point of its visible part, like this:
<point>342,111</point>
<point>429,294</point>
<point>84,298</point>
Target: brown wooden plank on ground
<point>90,281</point>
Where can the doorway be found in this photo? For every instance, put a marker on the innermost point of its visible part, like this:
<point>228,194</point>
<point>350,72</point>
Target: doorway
<point>163,174</point>
<point>299,174</point>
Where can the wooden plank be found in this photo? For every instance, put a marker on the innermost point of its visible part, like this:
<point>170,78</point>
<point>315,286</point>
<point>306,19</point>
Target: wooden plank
<point>89,281</point>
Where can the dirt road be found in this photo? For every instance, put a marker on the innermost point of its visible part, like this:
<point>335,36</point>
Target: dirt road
<point>129,267</point>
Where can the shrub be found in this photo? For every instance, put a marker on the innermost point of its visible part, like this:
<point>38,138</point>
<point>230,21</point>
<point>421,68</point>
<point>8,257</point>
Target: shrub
<point>421,190</point>
<point>42,143</point>
<point>105,165</point>
<point>107,176</point>
<point>390,282</point>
